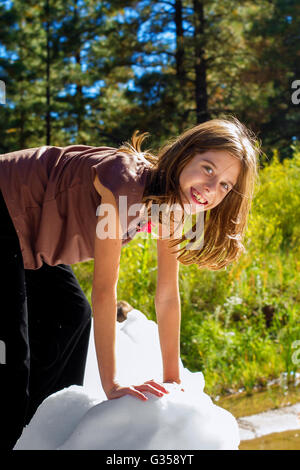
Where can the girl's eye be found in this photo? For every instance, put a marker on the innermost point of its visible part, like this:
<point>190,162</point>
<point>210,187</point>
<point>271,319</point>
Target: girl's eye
<point>208,168</point>
<point>224,184</point>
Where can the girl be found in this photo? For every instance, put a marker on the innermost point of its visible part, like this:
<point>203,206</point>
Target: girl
<point>51,197</point>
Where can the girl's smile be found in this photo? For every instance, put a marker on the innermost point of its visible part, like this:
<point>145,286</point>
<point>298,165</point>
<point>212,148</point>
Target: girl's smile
<point>207,178</point>
<point>197,197</point>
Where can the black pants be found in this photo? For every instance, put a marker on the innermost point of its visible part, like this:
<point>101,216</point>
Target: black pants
<point>45,322</point>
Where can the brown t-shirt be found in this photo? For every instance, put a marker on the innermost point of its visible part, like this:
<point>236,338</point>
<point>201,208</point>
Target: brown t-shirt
<point>53,203</point>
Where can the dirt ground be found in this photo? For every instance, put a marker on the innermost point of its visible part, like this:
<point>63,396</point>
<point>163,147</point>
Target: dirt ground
<point>288,440</point>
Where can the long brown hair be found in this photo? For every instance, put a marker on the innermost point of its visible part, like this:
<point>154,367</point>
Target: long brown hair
<point>225,224</point>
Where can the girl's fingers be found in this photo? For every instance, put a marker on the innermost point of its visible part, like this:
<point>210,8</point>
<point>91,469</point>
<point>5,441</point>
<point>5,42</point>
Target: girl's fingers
<point>136,390</point>
<point>149,388</point>
<point>136,393</point>
<point>157,385</point>
<point>122,391</point>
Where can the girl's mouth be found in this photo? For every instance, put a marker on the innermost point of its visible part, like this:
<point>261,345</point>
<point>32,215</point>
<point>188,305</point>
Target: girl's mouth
<point>197,198</point>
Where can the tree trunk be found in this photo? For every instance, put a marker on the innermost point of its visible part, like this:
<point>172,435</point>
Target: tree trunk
<point>48,91</point>
<point>180,70</point>
<point>79,94</point>
<point>202,114</point>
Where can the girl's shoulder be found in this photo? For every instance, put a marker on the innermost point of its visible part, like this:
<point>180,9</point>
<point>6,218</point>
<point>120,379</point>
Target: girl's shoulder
<point>120,173</point>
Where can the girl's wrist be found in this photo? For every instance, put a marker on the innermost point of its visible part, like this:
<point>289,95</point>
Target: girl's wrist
<point>177,380</point>
<point>109,386</point>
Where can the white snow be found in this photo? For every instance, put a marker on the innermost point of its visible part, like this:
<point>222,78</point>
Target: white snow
<point>82,418</point>
<point>280,420</point>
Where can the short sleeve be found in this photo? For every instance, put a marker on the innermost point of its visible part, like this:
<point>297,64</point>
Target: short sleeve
<point>125,176</point>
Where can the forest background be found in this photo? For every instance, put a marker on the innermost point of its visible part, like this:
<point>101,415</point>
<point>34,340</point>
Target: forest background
<point>91,72</point>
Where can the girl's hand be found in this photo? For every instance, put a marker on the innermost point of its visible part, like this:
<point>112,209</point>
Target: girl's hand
<point>151,386</point>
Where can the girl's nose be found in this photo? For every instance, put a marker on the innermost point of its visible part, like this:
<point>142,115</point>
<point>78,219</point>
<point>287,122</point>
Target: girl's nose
<point>210,187</point>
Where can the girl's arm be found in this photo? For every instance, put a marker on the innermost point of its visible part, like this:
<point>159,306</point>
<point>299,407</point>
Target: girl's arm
<point>168,309</point>
<point>104,303</point>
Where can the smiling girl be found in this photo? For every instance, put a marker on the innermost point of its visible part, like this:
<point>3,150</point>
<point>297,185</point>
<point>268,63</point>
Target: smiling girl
<point>211,168</point>
<point>49,203</point>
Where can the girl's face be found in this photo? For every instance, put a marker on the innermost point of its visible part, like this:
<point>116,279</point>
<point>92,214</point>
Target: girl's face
<point>208,177</point>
